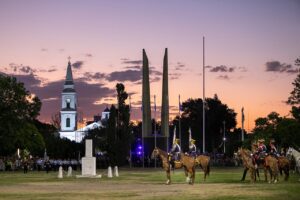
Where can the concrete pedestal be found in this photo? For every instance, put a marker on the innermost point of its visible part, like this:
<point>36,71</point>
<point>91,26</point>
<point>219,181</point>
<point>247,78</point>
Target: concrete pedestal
<point>88,166</point>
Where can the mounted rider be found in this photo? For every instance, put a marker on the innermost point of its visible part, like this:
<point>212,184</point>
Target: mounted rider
<point>261,147</point>
<point>192,148</point>
<point>273,149</point>
<point>260,152</point>
<point>176,150</point>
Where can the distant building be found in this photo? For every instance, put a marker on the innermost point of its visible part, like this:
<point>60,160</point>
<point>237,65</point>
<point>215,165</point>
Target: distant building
<point>103,117</point>
<point>99,121</point>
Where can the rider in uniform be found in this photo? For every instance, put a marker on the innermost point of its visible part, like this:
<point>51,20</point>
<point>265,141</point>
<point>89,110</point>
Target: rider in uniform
<point>261,146</point>
<point>260,152</point>
<point>192,148</point>
<point>175,151</point>
<point>273,150</point>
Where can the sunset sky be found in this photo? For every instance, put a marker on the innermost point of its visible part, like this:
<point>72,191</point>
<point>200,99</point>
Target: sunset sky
<point>251,47</point>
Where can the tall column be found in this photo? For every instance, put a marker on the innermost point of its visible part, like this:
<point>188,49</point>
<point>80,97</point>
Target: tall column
<point>165,99</point>
<point>146,109</point>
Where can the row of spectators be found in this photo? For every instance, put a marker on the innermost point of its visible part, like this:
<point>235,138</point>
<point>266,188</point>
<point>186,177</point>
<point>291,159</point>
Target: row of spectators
<point>38,164</point>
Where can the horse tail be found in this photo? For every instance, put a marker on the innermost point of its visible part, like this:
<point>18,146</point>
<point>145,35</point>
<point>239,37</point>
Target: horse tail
<point>208,168</point>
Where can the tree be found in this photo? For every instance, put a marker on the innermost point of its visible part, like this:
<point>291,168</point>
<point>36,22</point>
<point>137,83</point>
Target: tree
<point>285,131</point>
<point>265,127</point>
<point>18,109</point>
<point>216,113</point>
<point>123,139</point>
<point>116,137</point>
<point>294,98</point>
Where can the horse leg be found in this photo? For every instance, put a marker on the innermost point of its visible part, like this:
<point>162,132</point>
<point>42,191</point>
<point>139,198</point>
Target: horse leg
<point>193,175</point>
<point>286,173</point>
<point>168,177</point>
<point>244,174</point>
<point>187,178</point>
<point>271,174</point>
<point>252,175</point>
<point>266,175</point>
<point>257,173</point>
<point>205,173</point>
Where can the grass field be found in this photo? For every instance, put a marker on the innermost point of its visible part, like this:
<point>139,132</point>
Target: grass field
<point>223,184</point>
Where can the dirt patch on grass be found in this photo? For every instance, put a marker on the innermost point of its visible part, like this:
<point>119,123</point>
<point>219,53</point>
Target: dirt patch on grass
<point>113,190</point>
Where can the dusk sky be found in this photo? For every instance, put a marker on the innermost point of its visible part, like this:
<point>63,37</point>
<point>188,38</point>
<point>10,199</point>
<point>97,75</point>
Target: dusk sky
<point>251,47</point>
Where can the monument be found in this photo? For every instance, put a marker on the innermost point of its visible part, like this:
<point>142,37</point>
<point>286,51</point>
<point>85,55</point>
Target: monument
<point>88,168</point>
<point>149,139</point>
<point>60,172</point>
<point>146,125</point>
<point>165,99</point>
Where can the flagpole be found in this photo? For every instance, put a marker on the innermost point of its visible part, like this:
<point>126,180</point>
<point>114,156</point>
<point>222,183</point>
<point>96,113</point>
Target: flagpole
<point>203,104</point>
<point>179,121</point>
<point>129,143</point>
<point>143,137</point>
<point>155,127</point>
<point>243,119</point>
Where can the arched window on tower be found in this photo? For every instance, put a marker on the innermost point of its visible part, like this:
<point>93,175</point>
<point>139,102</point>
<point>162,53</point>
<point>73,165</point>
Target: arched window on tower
<point>68,122</point>
<point>68,102</point>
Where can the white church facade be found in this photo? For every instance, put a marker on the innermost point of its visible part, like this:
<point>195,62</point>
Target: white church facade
<point>68,112</point>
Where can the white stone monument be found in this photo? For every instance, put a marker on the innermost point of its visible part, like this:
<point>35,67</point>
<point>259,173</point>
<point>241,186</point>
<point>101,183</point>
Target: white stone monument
<point>116,171</point>
<point>69,171</point>
<point>88,166</point>
<point>109,172</point>
<point>88,162</point>
<point>60,172</point>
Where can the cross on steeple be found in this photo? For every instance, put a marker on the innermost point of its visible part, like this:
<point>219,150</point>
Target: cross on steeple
<point>69,58</point>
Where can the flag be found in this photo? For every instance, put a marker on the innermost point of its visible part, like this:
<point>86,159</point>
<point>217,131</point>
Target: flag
<point>243,116</point>
<point>154,103</point>
<point>174,135</point>
<point>190,134</point>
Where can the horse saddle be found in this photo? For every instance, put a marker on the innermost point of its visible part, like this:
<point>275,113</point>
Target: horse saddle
<point>177,161</point>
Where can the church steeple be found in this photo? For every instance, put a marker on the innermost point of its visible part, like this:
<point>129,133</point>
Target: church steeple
<point>68,112</point>
<point>69,76</point>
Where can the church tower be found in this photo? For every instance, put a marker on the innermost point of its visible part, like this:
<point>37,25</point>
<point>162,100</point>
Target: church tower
<point>68,113</point>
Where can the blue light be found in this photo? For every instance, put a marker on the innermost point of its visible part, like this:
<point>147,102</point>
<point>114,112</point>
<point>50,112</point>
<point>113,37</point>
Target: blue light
<point>140,147</point>
<point>139,153</point>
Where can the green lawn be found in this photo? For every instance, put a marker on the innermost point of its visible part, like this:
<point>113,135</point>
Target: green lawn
<point>223,183</point>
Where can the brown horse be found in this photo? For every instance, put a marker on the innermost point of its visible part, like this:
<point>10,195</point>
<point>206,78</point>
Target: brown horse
<point>186,162</point>
<point>284,165</point>
<point>247,163</point>
<point>189,165</point>
<point>270,164</point>
<point>203,162</point>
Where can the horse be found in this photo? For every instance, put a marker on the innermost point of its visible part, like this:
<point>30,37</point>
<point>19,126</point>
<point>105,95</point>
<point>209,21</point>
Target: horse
<point>247,163</point>
<point>204,162</point>
<point>270,164</point>
<point>294,153</point>
<point>189,164</point>
<point>186,162</point>
<point>284,165</point>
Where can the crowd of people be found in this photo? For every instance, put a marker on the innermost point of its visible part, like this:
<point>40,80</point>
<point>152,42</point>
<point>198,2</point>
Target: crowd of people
<point>37,164</point>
